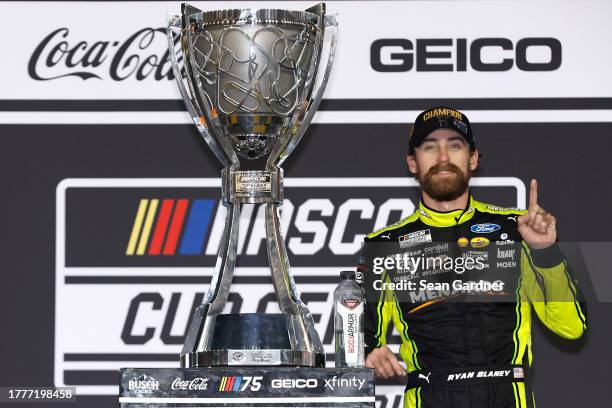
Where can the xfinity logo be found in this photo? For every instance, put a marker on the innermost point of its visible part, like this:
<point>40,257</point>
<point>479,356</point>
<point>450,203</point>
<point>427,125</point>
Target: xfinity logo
<point>335,382</point>
<point>451,54</point>
<point>291,383</point>
<point>142,55</point>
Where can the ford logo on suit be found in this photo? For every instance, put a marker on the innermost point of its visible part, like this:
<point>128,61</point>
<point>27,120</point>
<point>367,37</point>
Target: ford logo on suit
<point>484,228</point>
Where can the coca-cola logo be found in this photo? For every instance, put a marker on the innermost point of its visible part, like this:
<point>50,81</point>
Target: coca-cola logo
<point>142,55</point>
<point>197,383</point>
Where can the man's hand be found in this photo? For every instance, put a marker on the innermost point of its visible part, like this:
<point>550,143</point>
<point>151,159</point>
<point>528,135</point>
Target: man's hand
<point>384,363</point>
<point>537,227</point>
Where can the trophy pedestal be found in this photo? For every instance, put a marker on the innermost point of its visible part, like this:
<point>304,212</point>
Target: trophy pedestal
<point>246,387</point>
<point>251,339</point>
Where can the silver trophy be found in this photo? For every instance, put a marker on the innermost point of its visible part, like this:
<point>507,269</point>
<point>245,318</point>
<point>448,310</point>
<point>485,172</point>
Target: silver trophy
<point>252,80</point>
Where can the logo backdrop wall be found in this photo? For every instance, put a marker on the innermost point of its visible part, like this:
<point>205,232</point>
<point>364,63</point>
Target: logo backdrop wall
<point>111,200</point>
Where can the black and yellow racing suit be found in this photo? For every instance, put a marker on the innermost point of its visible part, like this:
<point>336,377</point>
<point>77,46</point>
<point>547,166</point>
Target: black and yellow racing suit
<point>458,338</point>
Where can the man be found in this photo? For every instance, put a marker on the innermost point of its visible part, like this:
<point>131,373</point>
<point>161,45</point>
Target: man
<point>467,353</point>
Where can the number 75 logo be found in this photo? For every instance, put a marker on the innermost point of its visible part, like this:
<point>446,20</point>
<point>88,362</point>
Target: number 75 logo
<point>234,383</point>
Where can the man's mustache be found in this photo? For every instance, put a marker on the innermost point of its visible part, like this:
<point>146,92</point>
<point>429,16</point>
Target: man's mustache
<point>444,167</point>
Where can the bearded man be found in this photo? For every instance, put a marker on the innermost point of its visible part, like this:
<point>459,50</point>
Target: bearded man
<point>467,353</point>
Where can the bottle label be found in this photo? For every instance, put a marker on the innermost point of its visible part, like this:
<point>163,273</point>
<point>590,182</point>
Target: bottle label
<point>350,311</point>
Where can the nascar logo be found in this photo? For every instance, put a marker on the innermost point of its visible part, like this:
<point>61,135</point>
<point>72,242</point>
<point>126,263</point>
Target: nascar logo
<point>230,383</point>
<point>236,384</point>
<point>155,236</point>
<point>193,226</point>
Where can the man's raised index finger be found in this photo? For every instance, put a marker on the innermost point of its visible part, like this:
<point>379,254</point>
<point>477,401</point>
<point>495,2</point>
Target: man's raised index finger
<point>533,194</point>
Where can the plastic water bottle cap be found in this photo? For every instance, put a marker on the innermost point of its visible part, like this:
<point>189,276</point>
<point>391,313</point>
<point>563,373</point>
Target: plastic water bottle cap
<point>347,275</point>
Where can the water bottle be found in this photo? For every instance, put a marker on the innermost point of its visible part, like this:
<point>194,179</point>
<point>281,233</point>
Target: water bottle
<point>348,322</point>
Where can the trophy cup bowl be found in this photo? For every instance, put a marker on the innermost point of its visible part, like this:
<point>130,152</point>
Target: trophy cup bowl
<point>252,80</point>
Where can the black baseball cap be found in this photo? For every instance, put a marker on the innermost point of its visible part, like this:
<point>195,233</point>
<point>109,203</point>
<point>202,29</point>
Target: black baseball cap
<point>440,117</point>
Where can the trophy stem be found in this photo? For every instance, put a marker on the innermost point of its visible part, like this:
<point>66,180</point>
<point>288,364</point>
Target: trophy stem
<point>217,339</point>
<point>304,335</point>
<point>286,293</point>
<point>218,291</point>
<point>199,335</point>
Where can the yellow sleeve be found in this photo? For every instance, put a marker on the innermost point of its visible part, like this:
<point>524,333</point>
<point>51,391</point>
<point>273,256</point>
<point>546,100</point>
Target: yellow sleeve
<point>546,282</point>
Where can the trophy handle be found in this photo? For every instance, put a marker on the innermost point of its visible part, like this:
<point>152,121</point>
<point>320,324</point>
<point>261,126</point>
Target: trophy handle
<point>173,29</point>
<point>301,120</point>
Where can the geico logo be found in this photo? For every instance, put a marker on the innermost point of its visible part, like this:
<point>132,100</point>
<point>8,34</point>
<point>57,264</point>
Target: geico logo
<point>451,54</point>
<point>151,316</point>
<point>294,383</point>
<point>316,224</point>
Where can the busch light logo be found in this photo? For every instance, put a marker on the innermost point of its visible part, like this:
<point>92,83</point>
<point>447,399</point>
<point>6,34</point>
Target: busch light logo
<point>485,228</point>
<point>143,384</point>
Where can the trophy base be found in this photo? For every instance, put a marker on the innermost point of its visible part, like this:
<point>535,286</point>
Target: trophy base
<point>246,357</point>
<point>255,339</point>
<point>247,387</point>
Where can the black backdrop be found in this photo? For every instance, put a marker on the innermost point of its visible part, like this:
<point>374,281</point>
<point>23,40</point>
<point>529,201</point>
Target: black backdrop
<point>570,161</point>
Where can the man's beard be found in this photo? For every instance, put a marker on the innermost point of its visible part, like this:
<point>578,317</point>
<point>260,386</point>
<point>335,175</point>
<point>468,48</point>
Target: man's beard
<point>447,189</point>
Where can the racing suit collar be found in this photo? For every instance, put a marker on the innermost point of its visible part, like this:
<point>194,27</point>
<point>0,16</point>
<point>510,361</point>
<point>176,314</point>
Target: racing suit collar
<point>446,218</point>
